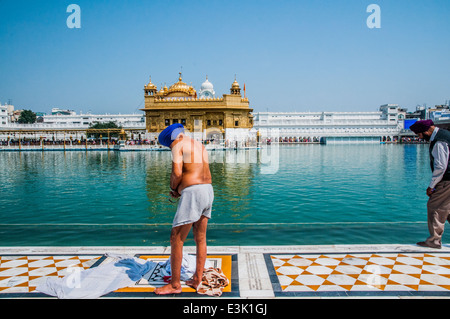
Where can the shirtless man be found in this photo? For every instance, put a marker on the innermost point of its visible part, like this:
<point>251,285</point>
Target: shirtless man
<point>191,182</point>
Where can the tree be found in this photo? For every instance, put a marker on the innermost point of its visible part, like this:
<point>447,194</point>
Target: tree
<point>104,126</point>
<point>27,117</point>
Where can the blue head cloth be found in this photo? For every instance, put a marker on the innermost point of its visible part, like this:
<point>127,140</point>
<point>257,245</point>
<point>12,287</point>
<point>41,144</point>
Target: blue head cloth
<point>170,133</point>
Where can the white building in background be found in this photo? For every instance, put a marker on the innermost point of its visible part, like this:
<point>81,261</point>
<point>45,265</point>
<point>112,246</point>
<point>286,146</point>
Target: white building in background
<point>62,124</point>
<point>70,118</point>
<point>390,113</point>
<point>3,115</point>
<point>440,115</point>
<point>332,127</point>
<point>440,112</point>
<point>7,114</point>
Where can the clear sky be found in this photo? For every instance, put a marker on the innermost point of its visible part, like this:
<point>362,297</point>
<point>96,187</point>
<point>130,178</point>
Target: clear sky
<point>300,55</point>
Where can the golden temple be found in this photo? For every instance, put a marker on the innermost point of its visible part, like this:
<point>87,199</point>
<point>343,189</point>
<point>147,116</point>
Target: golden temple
<point>203,112</point>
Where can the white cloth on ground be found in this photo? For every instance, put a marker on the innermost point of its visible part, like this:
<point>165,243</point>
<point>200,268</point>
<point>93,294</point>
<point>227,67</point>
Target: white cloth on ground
<point>122,271</point>
<point>94,282</point>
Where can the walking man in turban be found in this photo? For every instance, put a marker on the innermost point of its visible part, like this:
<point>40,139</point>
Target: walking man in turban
<point>438,191</point>
<point>190,180</point>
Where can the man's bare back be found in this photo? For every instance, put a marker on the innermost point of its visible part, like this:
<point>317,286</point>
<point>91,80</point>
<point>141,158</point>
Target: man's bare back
<point>190,164</point>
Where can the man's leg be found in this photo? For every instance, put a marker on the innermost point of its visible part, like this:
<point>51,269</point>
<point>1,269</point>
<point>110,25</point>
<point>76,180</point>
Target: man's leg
<point>436,223</point>
<point>438,207</point>
<point>200,241</point>
<point>177,238</point>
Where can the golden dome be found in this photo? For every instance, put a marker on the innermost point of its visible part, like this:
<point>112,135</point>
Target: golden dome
<point>235,89</point>
<point>150,85</point>
<point>181,87</point>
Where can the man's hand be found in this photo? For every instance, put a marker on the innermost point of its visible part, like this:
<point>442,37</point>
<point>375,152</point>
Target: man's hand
<point>174,194</point>
<point>430,191</point>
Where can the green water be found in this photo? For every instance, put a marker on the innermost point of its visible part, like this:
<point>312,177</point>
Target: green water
<point>311,194</point>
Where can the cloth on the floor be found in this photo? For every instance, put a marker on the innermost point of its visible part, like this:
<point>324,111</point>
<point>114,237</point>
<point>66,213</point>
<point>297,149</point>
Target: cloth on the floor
<point>94,282</point>
<point>122,271</point>
<point>135,268</point>
<point>213,282</point>
<point>188,266</point>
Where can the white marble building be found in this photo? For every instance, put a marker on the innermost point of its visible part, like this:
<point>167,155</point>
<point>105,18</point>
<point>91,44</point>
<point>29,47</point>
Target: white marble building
<point>62,126</point>
<point>332,126</point>
<point>84,120</point>
<point>3,115</point>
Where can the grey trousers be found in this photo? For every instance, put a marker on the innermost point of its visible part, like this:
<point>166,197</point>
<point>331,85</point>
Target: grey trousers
<point>438,212</point>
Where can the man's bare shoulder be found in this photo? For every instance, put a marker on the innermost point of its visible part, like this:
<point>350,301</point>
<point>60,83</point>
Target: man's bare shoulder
<point>190,143</point>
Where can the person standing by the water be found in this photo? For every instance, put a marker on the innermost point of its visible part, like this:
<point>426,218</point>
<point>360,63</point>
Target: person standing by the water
<point>439,189</point>
<point>191,182</point>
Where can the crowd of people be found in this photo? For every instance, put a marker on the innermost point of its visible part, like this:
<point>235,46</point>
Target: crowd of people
<point>14,142</point>
<point>412,140</point>
<point>81,142</point>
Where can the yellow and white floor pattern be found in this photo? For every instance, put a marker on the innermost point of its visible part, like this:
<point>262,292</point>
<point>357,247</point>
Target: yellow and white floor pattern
<point>20,275</point>
<point>292,273</point>
<point>372,273</point>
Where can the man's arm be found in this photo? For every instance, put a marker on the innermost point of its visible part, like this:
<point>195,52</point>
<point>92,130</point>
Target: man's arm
<point>440,153</point>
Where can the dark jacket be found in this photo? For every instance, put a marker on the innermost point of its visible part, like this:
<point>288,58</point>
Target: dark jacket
<point>442,136</point>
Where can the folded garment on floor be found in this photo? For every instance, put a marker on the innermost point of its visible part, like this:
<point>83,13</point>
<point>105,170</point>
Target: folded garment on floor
<point>122,271</point>
<point>213,282</point>
<point>188,267</point>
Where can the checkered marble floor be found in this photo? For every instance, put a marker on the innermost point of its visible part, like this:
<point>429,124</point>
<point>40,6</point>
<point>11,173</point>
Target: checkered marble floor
<point>365,272</point>
<point>21,274</point>
<point>255,272</point>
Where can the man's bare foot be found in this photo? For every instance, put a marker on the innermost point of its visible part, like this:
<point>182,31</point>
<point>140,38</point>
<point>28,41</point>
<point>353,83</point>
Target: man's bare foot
<point>193,283</point>
<point>167,290</point>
